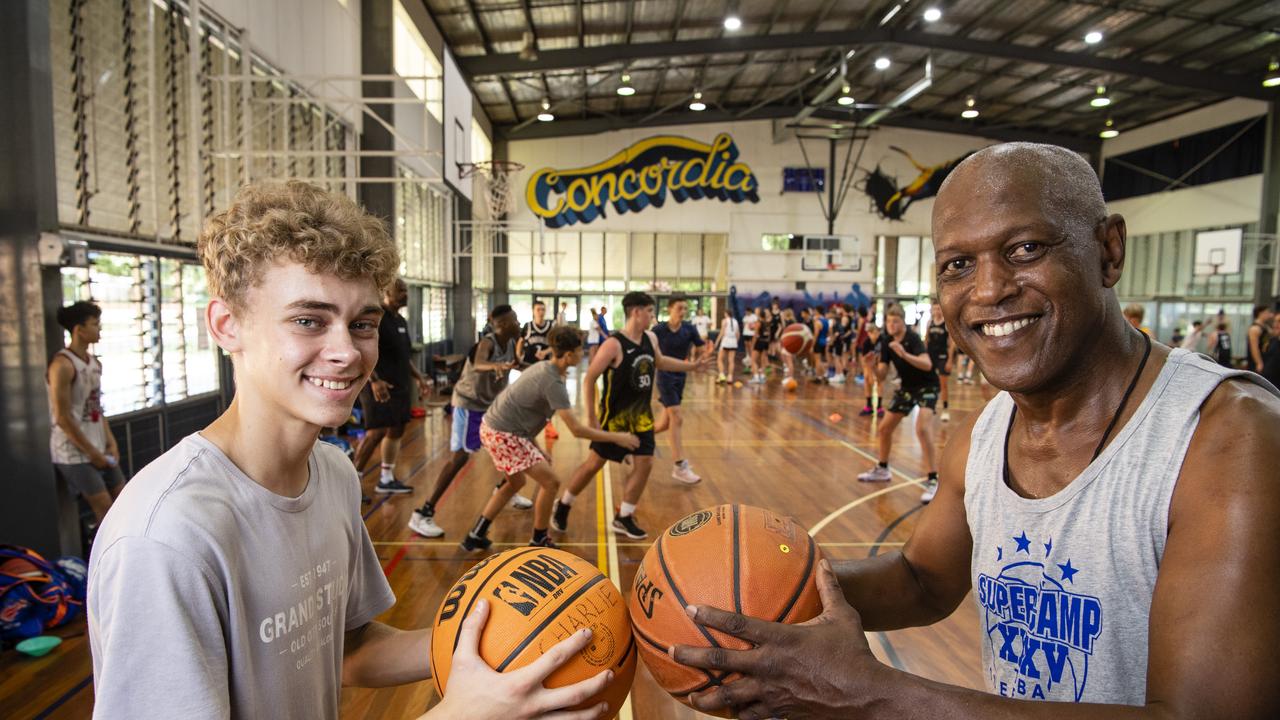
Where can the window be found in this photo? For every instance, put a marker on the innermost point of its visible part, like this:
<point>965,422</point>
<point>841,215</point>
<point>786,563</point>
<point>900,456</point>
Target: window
<point>412,58</point>
<point>189,356</point>
<point>775,242</point>
<point>435,313</point>
<point>421,230</point>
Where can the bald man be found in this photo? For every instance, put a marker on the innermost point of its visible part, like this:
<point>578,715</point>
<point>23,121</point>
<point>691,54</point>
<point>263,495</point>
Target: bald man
<point>1115,510</point>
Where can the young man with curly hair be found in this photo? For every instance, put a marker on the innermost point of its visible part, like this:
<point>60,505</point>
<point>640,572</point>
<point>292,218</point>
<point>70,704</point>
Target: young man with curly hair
<point>234,576</point>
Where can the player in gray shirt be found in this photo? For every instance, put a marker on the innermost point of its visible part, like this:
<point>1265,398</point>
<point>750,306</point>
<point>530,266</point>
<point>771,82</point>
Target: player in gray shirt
<point>513,421</point>
<point>234,578</point>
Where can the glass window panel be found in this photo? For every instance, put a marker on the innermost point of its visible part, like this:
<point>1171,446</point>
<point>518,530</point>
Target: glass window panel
<point>641,261</point>
<point>667,257</point>
<point>926,267</point>
<point>691,262</point>
<point>615,260</point>
<point>520,260</point>
<point>714,262</point>
<point>117,284</point>
<point>173,331</point>
<point>568,244</point>
<point>592,261</point>
<point>412,57</point>
<point>908,265</point>
<point>202,352</point>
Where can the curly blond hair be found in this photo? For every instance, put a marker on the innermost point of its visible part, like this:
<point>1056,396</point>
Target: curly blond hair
<point>326,232</point>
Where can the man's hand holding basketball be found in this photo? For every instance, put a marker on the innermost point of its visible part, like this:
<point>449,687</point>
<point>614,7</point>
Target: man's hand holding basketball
<point>819,669</point>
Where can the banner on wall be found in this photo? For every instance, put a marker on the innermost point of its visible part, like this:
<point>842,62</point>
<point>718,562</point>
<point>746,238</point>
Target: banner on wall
<point>640,176</point>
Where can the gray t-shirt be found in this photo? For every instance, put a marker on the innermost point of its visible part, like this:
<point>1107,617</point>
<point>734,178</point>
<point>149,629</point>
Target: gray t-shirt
<point>212,597</point>
<point>524,408</point>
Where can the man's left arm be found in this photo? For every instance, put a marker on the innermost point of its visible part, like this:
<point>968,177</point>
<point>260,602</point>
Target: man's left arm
<point>670,364</point>
<point>378,655</point>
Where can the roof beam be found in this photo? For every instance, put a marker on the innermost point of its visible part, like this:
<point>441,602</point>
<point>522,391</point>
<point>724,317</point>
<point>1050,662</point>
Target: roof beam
<point>1216,83</point>
<point>571,128</point>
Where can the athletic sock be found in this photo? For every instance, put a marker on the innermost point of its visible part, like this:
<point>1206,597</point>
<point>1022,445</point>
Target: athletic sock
<point>627,509</point>
<point>933,476</point>
<point>427,510</point>
<point>884,465</point>
<point>945,404</point>
<point>482,527</point>
<point>388,473</point>
<point>680,463</point>
<point>567,498</point>
<point>539,534</point>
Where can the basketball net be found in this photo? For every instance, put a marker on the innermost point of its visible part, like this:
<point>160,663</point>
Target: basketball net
<point>498,178</point>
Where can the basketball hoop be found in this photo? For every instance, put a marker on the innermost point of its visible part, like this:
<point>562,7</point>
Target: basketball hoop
<point>498,178</point>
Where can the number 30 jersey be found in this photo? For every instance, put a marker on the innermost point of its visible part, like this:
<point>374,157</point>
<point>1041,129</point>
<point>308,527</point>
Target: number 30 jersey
<point>625,404</point>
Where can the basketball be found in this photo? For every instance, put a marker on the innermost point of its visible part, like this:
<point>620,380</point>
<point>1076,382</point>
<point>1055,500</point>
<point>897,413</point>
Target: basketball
<point>733,557</point>
<point>539,597</point>
<point>797,338</point>
<point>790,384</point>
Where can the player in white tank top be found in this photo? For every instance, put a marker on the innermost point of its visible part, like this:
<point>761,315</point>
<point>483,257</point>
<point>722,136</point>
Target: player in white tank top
<point>728,347</point>
<point>81,445</point>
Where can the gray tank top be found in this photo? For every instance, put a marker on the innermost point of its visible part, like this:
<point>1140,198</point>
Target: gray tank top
<point>1064,583</point>
<point>86,411</point>
<point>476,390</point>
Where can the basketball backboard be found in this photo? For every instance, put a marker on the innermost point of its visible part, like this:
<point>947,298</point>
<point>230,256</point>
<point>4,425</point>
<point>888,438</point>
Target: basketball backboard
<point>1218,252</point>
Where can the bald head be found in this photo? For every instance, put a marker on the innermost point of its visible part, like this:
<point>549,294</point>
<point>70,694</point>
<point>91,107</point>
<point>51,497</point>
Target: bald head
<point>1059,181</point>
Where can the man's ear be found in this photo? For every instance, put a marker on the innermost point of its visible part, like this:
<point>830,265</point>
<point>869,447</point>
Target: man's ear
<point>1112,234</point>
<point>224,326</point>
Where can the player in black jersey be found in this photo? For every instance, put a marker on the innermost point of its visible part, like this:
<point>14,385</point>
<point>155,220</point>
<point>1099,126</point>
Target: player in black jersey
<point>628,361</point>
<point>533,347</point>
<point>941,351</point>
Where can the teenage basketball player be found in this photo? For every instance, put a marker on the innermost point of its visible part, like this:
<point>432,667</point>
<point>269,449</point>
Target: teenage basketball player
<point>907,352</point>
<point>84,449</point>
<point>627,360</point>
<point>760,346</point>
<point>676,339</point>
<point>1220,344</point>
<point>532,347</point>
<point>514,420</point>
<point>1110,511</point>
<point>485,374</point>
<point>727,346</point>
<point>1258,335</point>
<point>750,324</point>
<point>386,399</point>
<point>941,351</point>
<point>234,577</point>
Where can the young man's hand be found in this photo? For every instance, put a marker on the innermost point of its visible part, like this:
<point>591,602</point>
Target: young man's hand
<point>626,440</point>
<point>477,692</point>
<point>381,390</point>
<point>99,460</point>
<point>424,388</point>
<point>897,348</point>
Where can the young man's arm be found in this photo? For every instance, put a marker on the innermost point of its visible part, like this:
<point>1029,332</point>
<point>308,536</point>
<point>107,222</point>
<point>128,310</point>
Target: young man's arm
<point>378,655</point>
<point>921,361</point>
<point>669,364</point>
<point>1255,349</point>
<point>61,374</point>
<point>585,432</point>
<point>607,356</point>
<point>481,363</point>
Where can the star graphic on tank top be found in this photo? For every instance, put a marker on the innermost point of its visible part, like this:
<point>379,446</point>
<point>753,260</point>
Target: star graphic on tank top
<point>1068,572</point>
<point>1048,547</point>
<point>1024,544</point>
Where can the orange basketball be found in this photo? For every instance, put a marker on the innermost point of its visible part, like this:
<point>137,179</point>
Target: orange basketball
<point>733,557</point>
<point>790,384</point>
<point>538,598</point>
<point>797,338</point>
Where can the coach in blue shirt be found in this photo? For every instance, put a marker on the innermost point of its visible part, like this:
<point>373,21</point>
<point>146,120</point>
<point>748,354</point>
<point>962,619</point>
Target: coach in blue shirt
<point>676,338</point>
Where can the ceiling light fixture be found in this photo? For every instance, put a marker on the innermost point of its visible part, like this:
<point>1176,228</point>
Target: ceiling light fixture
<point>625,88</point>
<point>970,111</point>
<point>845,98</point>
<point>889,15</point>
<point>1100,98</point>
<point>932,14</point>
<point>733,22</point>
<point>1093,37</point>
<point>545,115</point>
<point>528,47</point>
<point>1108,131</point>
<point>1272,78</point>
<point>697,105</point>
<point>883,63</point>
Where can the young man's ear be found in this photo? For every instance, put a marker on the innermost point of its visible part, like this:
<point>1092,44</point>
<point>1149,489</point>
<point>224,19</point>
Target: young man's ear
<point>224,326</point>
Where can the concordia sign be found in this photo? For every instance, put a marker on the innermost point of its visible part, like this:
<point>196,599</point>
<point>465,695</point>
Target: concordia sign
<point>640,176</point>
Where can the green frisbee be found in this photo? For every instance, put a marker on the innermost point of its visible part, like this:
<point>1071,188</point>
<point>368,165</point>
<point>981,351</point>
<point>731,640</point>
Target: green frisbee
<point>39,646</point>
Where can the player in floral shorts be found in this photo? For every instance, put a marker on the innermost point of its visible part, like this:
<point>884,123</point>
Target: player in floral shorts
<point>516,417</point>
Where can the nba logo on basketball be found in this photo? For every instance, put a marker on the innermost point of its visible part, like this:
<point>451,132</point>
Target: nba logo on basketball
<point>1041,635</point>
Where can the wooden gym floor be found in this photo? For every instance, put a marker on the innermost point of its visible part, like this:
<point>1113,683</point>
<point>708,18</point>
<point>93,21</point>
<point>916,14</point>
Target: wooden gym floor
<point>754,445</point>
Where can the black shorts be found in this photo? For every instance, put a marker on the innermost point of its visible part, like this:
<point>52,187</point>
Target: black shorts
<point>761,344</point>
<point>670,388</point>
<point>906,399</point>
<point>392,413</point>
<point>940,365</point>
<point>617,453</point>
